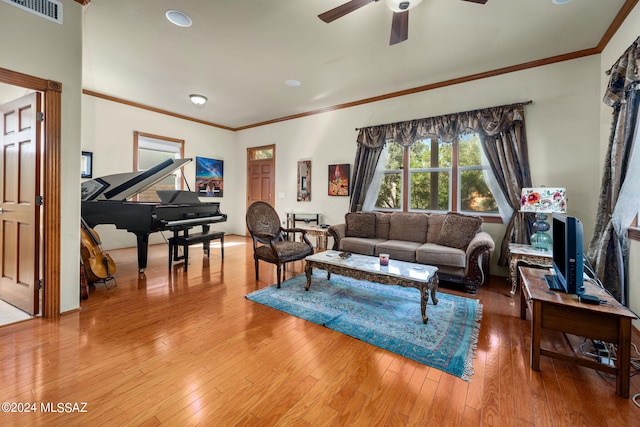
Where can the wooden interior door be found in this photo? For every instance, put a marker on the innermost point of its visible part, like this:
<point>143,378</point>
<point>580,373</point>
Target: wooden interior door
<point>19,210</point>
<point>261,175</point>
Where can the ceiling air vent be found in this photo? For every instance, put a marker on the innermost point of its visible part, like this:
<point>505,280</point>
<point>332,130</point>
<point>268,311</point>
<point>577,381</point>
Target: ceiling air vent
<point>49,9</point>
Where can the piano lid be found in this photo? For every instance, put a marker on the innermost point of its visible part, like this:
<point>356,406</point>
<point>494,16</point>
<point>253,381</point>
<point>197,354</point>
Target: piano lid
<point>123,186</point>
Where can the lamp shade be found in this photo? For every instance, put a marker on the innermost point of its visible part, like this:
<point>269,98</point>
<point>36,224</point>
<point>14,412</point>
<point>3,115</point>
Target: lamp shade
<point>543,199</point>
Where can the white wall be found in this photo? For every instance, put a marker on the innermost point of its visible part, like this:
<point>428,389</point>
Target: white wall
<point>623,38</point>
<point>45,49</point>
<point>107,131</point>
<point>562,129</point>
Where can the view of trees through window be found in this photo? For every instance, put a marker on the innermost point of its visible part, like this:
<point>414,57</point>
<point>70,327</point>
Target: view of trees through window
<point>428,172</point>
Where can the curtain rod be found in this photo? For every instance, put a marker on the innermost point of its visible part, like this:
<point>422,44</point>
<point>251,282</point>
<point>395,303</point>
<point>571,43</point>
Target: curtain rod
<point>461,112</point>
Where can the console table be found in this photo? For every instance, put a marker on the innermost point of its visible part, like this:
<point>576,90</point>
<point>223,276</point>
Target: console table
<point>306,217</point>
<point>558,311</point>
<point>526,254</point>
<point>312,229</point>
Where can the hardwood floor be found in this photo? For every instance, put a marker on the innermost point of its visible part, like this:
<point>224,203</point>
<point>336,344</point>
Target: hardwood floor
<point>175,348</point>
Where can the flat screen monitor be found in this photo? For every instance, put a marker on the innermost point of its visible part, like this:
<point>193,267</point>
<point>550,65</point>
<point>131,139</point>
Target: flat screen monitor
<point>567,253</point>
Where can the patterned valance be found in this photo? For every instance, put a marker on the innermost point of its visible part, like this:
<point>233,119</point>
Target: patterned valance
<point>625,75</point>
<point>488,122</point>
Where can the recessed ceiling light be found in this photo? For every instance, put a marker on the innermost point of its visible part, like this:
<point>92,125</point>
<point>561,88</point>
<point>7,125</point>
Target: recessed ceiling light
<point>198,99</point>
<point>292,83</point>
<point>178,18</point>
<point>560,1</point>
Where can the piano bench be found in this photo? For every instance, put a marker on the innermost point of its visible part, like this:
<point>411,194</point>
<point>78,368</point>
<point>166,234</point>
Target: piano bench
<point>193,239</point>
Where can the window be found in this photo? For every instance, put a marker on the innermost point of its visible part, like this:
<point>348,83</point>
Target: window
<point>432,175</point>
<point>151,150</point>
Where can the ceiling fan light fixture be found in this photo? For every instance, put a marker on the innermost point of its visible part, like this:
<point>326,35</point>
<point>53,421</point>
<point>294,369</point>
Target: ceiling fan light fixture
<point>402,5</point>
<point>198,99</point>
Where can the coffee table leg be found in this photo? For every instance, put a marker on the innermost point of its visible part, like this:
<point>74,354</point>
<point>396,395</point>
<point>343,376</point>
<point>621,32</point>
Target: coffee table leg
<point>308,270</point>
<point>424,298</point>
<point>434,287</point>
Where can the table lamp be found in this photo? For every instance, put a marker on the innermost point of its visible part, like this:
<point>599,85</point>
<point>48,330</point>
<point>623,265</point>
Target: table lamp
<point>542,201</point>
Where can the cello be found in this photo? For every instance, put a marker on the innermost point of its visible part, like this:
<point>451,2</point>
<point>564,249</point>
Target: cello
<point>98,265</point>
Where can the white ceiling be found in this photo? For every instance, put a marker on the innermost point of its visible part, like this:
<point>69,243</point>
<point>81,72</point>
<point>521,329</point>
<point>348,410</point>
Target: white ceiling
<point>239,53</point>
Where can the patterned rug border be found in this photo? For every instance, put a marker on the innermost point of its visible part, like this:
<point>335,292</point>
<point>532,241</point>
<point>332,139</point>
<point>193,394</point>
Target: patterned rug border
<point>457,360</point>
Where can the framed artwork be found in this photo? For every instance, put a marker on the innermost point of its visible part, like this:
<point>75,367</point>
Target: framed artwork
<point>86,167</point>
<point>210,176</point>
<point>304,180</point>
<point>339,179</point>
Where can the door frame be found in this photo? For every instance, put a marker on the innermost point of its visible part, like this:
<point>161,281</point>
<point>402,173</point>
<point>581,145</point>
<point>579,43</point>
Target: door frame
<point>51,156</point>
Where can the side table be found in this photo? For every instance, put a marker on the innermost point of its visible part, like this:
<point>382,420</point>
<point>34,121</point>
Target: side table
<point>321,234</point>
<point>556,311</point>
<point>526,254</point>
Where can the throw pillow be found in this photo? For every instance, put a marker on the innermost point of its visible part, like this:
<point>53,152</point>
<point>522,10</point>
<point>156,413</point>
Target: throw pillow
<point>360,224</point>
<point>458,230</point>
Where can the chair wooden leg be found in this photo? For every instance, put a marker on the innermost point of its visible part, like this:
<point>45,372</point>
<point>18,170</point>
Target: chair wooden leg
<point>278,272</point>
<point>256,264</point>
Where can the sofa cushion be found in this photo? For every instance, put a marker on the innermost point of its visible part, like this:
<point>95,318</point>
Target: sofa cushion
<point>382,225</point>
<point>360,224</point>
<point>458,230</point>
<point>435,225</point>
<point>432,254</point>
<point>398,249</point>
<point>408,226</point>
<point>359,245</point>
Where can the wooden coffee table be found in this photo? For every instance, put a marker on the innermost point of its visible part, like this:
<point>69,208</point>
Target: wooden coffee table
<point>362,267</point>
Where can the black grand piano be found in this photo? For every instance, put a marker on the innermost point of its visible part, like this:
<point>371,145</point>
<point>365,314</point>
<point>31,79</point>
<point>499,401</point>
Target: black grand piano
<point>104,201</point>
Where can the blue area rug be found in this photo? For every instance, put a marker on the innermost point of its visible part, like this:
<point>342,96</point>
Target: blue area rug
<point>386,316</point>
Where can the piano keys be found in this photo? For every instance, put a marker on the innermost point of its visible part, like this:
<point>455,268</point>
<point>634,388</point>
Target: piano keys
<point>104,201</point>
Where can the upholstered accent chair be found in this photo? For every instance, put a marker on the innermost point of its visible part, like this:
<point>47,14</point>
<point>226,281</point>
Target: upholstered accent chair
<point>270,240</point>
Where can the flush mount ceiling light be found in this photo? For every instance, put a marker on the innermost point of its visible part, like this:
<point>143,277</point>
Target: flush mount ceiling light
<point>198,99</point>
<point>292,83</point>
<point>560,1</point>
<point>178,18</point>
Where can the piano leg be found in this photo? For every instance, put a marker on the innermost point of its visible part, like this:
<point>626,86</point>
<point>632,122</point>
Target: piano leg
<point>143,246</point>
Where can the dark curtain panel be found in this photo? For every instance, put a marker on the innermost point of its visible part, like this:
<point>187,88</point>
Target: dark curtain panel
<point>607,250</point>
<point>503,137</point>
<point>370,144</point>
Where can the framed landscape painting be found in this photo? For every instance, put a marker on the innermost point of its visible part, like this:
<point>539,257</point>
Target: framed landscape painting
<point>339,179</point>
<point>210,176</point>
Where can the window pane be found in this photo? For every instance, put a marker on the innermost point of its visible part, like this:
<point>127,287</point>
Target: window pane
<point>390,195</point>
<point>148,158</point>
<point>430,154</point>
<point>395,158</point>
<point>265,153</point>
<point>430,190</point>
<point>469,150</point>
<point>474,193</point>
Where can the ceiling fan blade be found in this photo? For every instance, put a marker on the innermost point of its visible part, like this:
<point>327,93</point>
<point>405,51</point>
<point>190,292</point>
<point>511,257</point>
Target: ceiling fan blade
<point>340,11</point>
<point>399,27</point>
<point>477,1</point>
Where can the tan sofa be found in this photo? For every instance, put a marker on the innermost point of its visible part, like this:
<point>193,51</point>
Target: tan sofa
<point>453,242</point>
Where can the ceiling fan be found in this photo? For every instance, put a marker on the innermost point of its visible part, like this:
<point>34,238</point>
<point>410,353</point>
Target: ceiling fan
<point>400,8</point>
